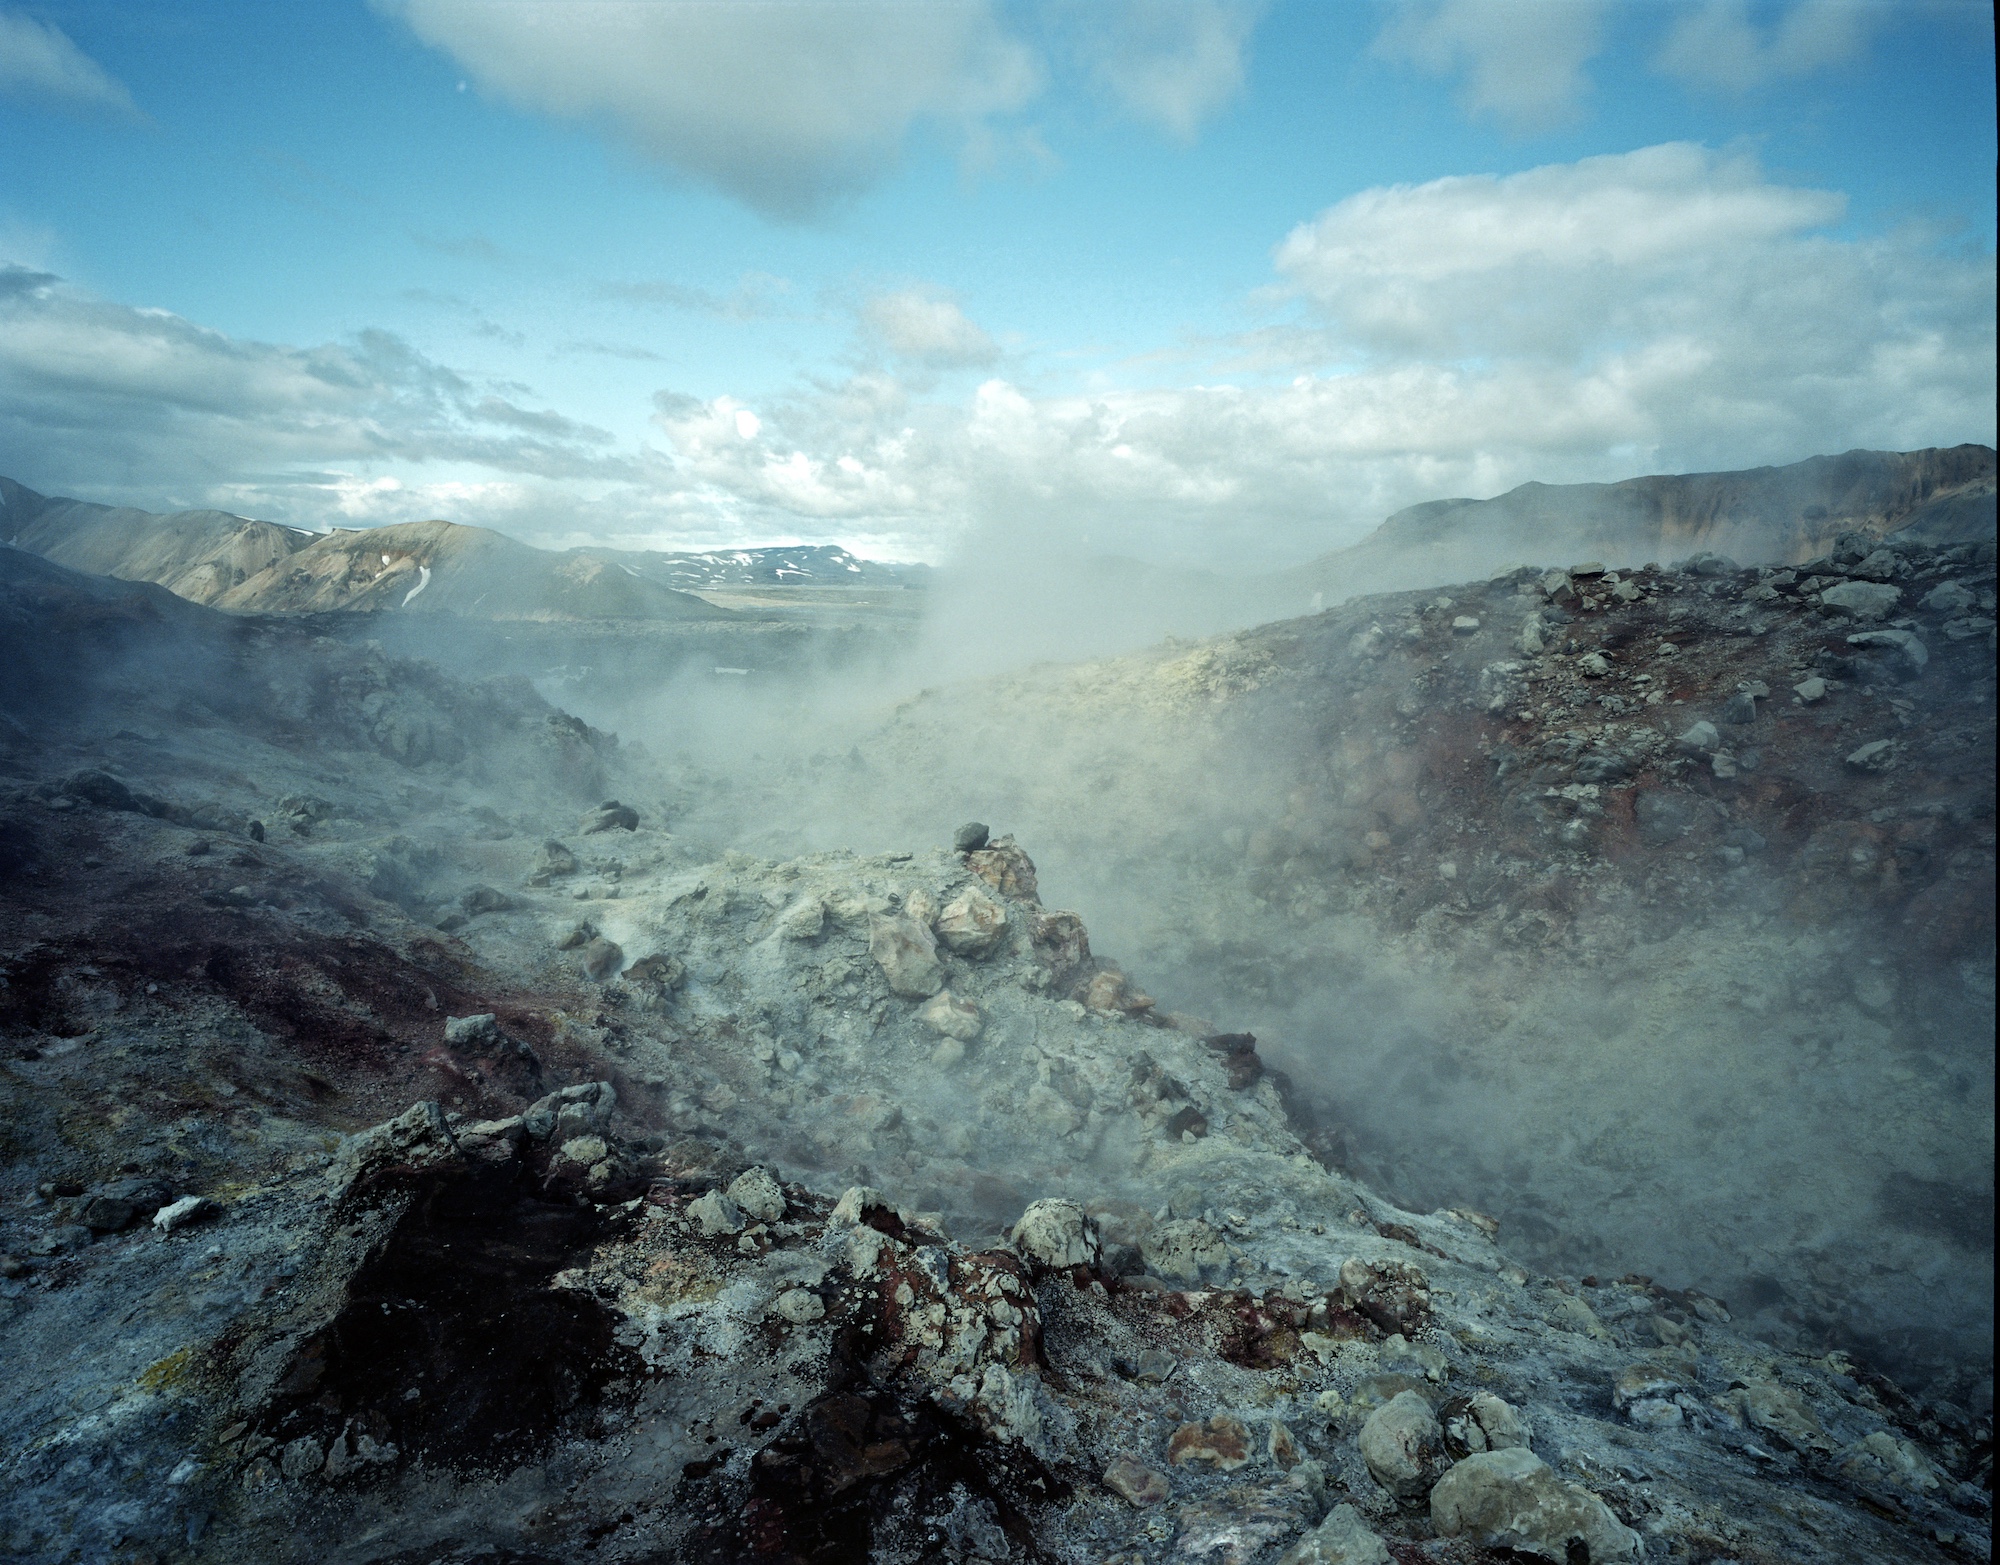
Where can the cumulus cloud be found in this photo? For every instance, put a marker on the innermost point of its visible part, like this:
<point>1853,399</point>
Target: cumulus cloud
<point>93,391</point>
<point>38,61</point>
<point>1523,64</point>
<point>1168,63</point>
<point>925,326</point>
<point>1718,45</point>
<point>788,107</point>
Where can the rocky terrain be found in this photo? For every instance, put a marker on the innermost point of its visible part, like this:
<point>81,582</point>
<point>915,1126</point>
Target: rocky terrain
<point>428,1139</point>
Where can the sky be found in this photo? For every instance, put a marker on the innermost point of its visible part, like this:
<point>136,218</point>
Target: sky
<point>1207,282</point>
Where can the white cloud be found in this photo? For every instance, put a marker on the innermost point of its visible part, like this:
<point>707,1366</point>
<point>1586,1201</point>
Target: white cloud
<point>1523,60</point>
<point>38,61</point>
<point>1718,44</point>
<point>785,106</point>
<point>1168,63</point>
<point>924,326</point>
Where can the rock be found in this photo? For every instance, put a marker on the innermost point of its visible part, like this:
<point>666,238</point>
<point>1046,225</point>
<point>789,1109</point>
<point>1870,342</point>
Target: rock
<point>1862,599</point>
<point>972,923</point>
<point>1282,1447</point>
<point>1342,1539</point>
<point>1481,1422</point>
<point>659,971</point>
<point>416,1139</point>
<point>1702,737</point>
<point>805,919</point>
<point>1740,709</point>
<point>1404,1446</point>
<point>800,1306</point>
<point>907,955</point>
<point>1948,597</point>
<point>495,1142</point>
<point>1711,565</point>
<point>1780,1411</point>
<point>302,1458</point>
<point>610,816</point>
<point>947,1014</point>
<point>1882,1458</point>
<point>1136,1482</point>
<point>1810,690</point>
<point>584,1151</point>
<point>1593,665</point>
<point>854,1205</point>
<point>184,1213</point>
<point>1511,1500</point>
<point>471,1031</point>
<point>114,1207</point>
<point>582,935</point>
<point>1914,652</point>
<point>602,959</point>
<point>970,837</point>
<point>484,899</point>
<point>553,862</point>
<point>1465,625</point>
<point>1056,1234</point>
<point>1178,1250</point>
<point>716,1214</point>
<point>1878,755</point>
<point>758,1195</point>
<point>1572,1314</point>
<point>1590,569</point>
<point>1005,868</point>
<point>1530,640</point>
<point>1222,1441</point>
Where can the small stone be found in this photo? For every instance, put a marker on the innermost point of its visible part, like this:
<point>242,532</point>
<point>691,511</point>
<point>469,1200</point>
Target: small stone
<point>1138,1483</point>
<point>602,959</point>
<point>1222,1441</point>
<point>759,1195</point>
<point>1862,599</point>
<point>1512,1500</point>
<point>1281,1447</point>
<point>1057,1234</point>
<point>610,816</point>
<point>972,923</point>
<point>466,1031</point>
<point>715,1214</point>
<point>1465,625</point>
<point>1914,652</point>
<point>1810,690</point>
<point>799,1306</point>
<point>1342,1539</point>
<point>945,1013</point>
<point>1948,597</point>
<point>184,1213</point>
<point>553,862</point>
<point>854,1205</point>
<point>583,1151</point>
<point>1878,755</point>
<point>1740,709</point>
<point>484,899</point>
<point>1702,736</point>
<point>1403,1446</point>
<point>1590,568</point>
<point>1481,1422</point>
<point>1593,665</point>
<point>970,837</point>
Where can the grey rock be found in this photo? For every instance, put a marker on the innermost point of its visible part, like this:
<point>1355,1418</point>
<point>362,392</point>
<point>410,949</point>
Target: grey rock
<point>1878,755</point>
<point>465,1031</point>
<point>1342,1539</point>
<point>602,959</point>
<point>553,862</point>
<point>1740,709</point>
<point>805,919</point>
<point>1057,1234</point>
<point>1711,565</point>
<point>799,1306</point>
<point>1810,690</point>
<point>972,923</point>
<point>1663,817</point>
<point>610,816</point>
<point>970,837</point>
<point>1948,597</point>
<point>716,1214</point>
<point>1178,1250</point>
<point>954,1018</point>
<point>1465,625</point>
<point>1862,599</point>
<point>1512,1500</point>
<point>758,1195</point>
<point>302,1458</point>
<point>1593,665</point>
<point>1914,652</point>
<point>1702,736</point>
<point>184,1213</point>
<point>1403,1445</point>
<point>907,954</point>
<point>1137,1483</point>
<point>484,899</point>
<point>418,1138</point>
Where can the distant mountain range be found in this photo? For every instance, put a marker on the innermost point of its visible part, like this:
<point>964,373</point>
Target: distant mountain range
<point>233,562</point>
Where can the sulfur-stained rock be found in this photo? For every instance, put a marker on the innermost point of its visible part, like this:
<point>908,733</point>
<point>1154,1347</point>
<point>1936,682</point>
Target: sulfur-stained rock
<point>800,1306</point>
<point>972,923</point>
<point>1005,868</point>
<point>1881,1458</point>
<point>1403,1446</point>
<point>907,955</point>
<point>1780,1411</point>
<point>1512,1500</point>
<point>1057,1234</point>
<point>945,1013</point>
<point>1342,1539</point>
<point>1222,1442</point>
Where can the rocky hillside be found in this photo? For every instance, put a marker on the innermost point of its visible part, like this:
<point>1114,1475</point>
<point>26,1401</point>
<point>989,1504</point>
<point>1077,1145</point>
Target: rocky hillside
<point>1766,515</point>
<point>1651,911</point>
<point>412,1155</point>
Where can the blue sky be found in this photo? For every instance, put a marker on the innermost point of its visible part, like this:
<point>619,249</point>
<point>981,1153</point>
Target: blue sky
<point>1198,280</point>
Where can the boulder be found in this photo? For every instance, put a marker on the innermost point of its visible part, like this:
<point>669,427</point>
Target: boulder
<point>1056,1234</point>
<point>1222,1442</point>
<point>602,959</point>
<point>805,919</point>
<point>1862,599</point>
<point>185,1212</point>
<point>1178,1250</point>
<point>945,1013</point>
<point>716,1214</point>
<point>970,837</point>
<point>416,1139</point>
<point>1701,737</point>
<point>758,1195</point>
<point>1403,1446</point>
<point>1914,652</point>
<point>1005,868</point>
<point>972,923</point>
<point>1481,1422</point>
<point>553,862</point>
<point>463,1032</point>
<point>610,816</point>
<point>1512,1500</point>
<point>1137,1483</point>
<point>907,955</point>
